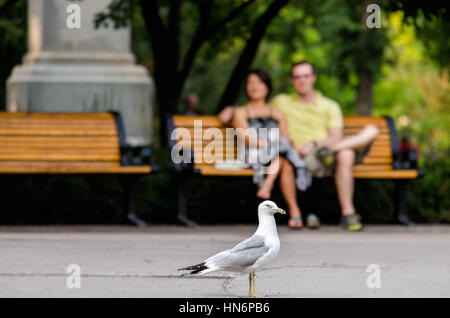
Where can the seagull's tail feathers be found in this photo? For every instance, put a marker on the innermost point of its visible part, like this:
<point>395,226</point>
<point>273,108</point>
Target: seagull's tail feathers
<point>212,264</point>
<point>195,269</point>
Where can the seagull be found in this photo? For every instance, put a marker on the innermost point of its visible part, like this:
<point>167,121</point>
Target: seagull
<point>251,254</point>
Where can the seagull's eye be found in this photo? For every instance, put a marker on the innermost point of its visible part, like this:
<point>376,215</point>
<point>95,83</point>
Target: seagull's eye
<point>268,205</point>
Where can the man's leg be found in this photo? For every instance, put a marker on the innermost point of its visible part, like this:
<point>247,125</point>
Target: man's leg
<point>343,178</point>
<point>289,190</point>
<point>345,156</point>
<point>358,141</point>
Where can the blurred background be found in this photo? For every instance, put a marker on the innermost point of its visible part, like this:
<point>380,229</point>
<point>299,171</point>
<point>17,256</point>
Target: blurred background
<point>206,47</point>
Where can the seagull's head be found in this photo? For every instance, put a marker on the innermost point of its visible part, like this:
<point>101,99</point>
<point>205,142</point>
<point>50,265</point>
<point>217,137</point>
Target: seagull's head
<point>269,208</point>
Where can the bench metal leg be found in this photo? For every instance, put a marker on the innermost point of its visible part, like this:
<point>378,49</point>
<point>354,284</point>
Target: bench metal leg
<point>400,203</point>
<point>130,202</point>
<point>181,205</point>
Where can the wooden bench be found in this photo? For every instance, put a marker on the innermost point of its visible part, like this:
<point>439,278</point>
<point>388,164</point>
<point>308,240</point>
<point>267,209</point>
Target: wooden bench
<point>382,161</point>
<point>72,144</point>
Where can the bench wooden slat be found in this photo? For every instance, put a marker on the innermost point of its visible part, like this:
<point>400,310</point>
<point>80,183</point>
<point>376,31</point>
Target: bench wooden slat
<point>59,142</point>
<point>211,171</point>
<point>199,135</point>
<point>59,126</point>
<point>366,167</point>
<point>392,174</point>
<point>380,152</point>
<point>63,143</point>
<point>56,132</point>
<point>355,130</point>
<point>53,156</point>
<point>375,174</point>
<point>188,121</point>
<point>86,167</point>
<point>207,157</point>
<point>361,121</point>
<point>60,118</point>
<point>57,115</point>
<point>378,146</point>
<point>378,163</point>
<point>213,121</point>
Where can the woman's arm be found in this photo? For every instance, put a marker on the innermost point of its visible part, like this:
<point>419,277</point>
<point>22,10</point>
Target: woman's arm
<point>226,115</point>
<point>279,116</point>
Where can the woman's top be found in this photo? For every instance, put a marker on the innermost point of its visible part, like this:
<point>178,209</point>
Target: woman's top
<point>260,158</point>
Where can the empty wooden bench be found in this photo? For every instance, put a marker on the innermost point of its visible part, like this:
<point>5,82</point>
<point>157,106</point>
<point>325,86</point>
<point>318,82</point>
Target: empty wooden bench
<point>382,162</point>
<point>72,144</point>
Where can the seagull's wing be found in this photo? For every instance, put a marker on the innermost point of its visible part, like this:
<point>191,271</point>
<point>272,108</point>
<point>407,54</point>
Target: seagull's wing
<point>244,254</point>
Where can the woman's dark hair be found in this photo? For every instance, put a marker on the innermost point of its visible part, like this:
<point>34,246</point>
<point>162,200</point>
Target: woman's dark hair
<point>264,77</point>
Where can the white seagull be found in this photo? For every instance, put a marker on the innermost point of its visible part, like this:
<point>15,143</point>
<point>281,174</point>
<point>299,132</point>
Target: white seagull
<point>250,254</point>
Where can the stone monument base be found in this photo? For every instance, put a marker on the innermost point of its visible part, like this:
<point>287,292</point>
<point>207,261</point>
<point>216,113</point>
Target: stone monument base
<point>73,87</point>
<point>82,68</point>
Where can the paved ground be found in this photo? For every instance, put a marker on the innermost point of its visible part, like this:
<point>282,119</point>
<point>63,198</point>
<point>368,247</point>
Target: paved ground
<point>130,262</point>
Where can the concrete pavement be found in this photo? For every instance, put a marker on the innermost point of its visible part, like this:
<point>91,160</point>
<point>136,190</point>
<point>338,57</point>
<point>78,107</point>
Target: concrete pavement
<point>122,261</point>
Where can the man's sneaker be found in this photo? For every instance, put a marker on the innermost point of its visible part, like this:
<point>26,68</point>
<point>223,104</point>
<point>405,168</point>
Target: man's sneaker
<point>351,222</point>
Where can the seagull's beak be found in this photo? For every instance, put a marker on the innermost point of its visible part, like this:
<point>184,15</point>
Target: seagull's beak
<point>281,211</point>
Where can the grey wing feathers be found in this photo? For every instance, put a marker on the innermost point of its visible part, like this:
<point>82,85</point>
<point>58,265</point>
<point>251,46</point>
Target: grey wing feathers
<point>246,253</point>
<point>253,241</point>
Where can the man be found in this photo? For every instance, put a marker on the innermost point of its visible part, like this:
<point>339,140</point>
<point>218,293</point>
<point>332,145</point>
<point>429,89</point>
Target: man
<point>315,124</point>
<point>191,105</point>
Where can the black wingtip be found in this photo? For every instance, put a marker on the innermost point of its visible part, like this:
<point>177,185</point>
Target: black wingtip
<point>195,268</point>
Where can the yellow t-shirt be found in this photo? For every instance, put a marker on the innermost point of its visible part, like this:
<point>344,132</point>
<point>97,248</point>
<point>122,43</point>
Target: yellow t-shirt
<point>311,121</point>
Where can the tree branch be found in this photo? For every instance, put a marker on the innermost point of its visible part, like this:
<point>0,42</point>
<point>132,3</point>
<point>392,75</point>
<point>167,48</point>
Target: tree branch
<point>211,31</point>
<point>248,54</point>
<point>204,33</point>
<point>4,7</point>
<point>173,38</point>
<point>155,26</point>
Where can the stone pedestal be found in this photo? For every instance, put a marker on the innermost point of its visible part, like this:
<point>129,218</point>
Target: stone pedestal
<point>81,70</point>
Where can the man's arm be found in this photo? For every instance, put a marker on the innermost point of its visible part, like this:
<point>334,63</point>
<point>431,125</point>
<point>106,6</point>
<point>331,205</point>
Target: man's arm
<point>334,135</point>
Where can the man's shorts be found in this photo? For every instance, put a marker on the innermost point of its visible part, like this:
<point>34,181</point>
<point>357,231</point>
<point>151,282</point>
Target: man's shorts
<point>320,170</point>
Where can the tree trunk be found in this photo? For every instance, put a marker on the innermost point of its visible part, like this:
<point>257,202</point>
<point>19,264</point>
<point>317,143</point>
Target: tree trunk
<point>364,102</point>
<point>169,77</point>
<point>241,69</point>
<point>165,47</point>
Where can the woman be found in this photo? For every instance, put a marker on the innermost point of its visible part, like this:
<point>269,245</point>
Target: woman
<point>257,114</point>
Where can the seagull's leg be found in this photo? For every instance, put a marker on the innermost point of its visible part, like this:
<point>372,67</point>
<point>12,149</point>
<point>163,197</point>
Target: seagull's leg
<point>250,285</point>
<point>254,289</point>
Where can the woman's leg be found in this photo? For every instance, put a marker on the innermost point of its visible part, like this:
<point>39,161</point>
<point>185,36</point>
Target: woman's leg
<point>273,172</point>
<point>289,190</point>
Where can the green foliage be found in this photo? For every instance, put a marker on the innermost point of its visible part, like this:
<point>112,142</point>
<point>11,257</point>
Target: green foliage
<point>119,12</point>
<point>410,53</point>
<point>433,32</point>
<point>13,43</point>
<point>429,196</point>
